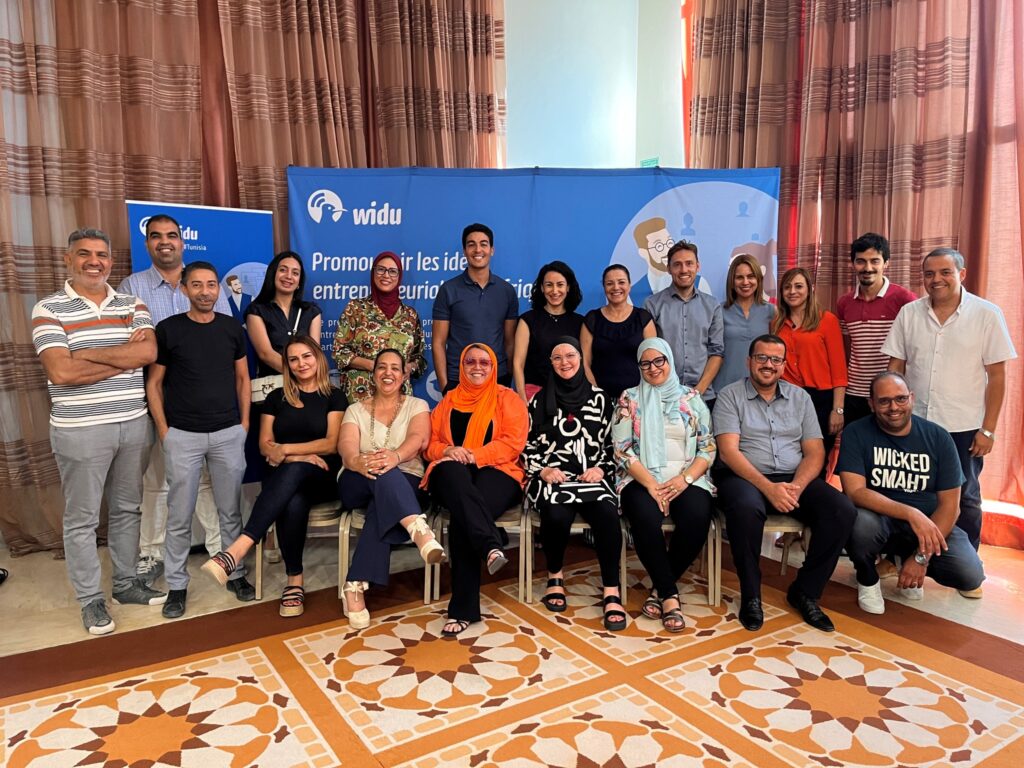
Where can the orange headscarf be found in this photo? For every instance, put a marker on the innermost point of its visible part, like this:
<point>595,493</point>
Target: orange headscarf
<point>481,400</point>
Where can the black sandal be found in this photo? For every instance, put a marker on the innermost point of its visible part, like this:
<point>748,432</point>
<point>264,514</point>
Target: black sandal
<point>651,607</point>
<point>556,602</point>
<point>3,575</point>
<point>293,600</point>
<point>463,626</point>
<point>614,619</point>
<point>496,560</point>
<point>669,618</point>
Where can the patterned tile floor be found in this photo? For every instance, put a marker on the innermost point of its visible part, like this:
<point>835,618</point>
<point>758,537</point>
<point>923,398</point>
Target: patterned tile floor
<point>529,688</point>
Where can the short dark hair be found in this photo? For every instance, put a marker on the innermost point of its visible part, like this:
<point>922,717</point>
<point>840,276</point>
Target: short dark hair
<point>88,233</point>
<point>612,268</point>
<point>389,351</point>
<point>471,228</point>
<point>866,242</point>
<point>765,338</point>
<point>229,278</point>
<point>953,253</point>
<point>573,295</point>
<point>162,217</point>
<point>192,266</point>
<point>887,375</point>
<point>682,245</point>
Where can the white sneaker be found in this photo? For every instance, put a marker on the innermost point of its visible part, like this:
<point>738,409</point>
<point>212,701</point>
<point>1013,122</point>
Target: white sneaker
<point>870,598</point>
<point>912,593</point>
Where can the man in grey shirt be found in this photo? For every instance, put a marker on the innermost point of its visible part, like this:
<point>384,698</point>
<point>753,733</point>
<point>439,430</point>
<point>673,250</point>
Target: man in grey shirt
<point>690,321</point>
<point>771,450</point>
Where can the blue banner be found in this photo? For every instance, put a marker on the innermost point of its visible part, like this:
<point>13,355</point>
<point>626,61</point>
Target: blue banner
<point>237,242</point>
<point>339,219</point>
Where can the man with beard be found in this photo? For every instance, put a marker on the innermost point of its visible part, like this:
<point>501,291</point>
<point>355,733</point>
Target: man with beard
<point>771,449</point>
<point>866,314</point>
<point>903,474</point>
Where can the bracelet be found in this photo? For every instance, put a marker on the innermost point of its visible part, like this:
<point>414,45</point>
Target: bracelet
<point>986,433</point>
<point>398,456</point>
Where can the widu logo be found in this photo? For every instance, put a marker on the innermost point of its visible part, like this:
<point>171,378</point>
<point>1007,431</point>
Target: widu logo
<point>324,200</point>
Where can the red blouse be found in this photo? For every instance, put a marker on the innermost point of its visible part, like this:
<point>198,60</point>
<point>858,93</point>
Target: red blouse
<point>817,358</point>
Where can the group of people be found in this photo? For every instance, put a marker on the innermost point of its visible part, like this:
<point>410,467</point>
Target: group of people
<point>649,413</point>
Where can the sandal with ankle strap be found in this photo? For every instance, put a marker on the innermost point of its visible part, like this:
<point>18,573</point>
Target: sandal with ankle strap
<point>496,560</point>
<point>293,601</point>
<point>431,551</point>
<point>673,620</point>
<point>651,607</point>
<point>220,566</point>
<point>356,619</point>
<point>556,602</point>
<point>614,618</point>
<point>462,624</point>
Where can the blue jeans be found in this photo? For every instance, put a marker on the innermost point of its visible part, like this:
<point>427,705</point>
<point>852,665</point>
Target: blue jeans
<point>970,491</point>
<point>959,567</point>
<point>88,458</point>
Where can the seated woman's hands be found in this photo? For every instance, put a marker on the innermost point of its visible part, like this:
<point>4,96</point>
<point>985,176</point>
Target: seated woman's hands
<point>664,493</point>
<point>553,475</point>
<point>309,458</point>
<point>592,475</point>
<point>376,463</point>
<point>459,454</point>
<point>275,455</point>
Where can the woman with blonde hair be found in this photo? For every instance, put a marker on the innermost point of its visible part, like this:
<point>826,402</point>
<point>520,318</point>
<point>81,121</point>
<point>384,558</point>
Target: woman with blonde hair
<point>746,314</point>
<point>815,355</point>
<point>299,429</point>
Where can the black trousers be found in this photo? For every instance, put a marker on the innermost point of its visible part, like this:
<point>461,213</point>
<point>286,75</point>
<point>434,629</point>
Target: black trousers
<point>475,497</point>
<point>829,514</point>
<point>855,408</point>
<point>691,511</point>
<point>603,518</point>
<point>822,399</point>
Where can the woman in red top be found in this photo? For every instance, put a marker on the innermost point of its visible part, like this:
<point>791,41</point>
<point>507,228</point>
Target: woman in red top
<point>815,356</point>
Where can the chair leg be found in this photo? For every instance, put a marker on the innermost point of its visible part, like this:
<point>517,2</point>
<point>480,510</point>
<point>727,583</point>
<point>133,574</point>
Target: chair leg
<point>273,553</point>
<point>623,573</point>
<point>344,531</point>
<point>435,578</point>
<point>531,562</point>
<point>259,570</point>
<point>787,542</point>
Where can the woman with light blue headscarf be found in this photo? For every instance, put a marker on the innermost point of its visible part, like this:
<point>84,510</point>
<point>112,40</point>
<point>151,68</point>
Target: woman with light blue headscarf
<point>664,447</point>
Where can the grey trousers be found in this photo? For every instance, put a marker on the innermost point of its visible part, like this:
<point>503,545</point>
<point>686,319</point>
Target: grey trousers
<point>184,453</point>
<point>89,458</point>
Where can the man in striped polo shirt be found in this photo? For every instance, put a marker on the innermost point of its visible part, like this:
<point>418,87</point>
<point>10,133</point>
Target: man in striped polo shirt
<point>93,344</point>
<point>866,314</point>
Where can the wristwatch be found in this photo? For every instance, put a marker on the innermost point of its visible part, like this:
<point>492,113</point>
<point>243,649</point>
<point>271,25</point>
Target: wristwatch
<point>688,479</point>
<point>986,433</point>
<point>920,558</point>
<point>838,410</point>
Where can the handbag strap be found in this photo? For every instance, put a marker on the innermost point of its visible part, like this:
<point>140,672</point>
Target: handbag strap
<point>298,316</point>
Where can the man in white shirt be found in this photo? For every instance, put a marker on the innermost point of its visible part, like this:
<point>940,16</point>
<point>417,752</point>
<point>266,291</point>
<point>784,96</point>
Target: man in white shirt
<point>952,347</point>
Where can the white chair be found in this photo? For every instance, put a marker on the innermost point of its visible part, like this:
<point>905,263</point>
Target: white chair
<point>512,521</point>
<point>324,522</point>
<point>790,528</point>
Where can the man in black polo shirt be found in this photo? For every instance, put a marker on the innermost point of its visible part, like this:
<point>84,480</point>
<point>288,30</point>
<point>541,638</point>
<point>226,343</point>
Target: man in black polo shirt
<point>476,306</point>
<point>198,392</point>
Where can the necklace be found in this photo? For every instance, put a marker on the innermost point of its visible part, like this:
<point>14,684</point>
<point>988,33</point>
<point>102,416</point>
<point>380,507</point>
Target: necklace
<point>373,424</point>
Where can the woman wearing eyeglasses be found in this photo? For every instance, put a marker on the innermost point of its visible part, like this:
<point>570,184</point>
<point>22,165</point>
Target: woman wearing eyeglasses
<point>370,325</point>
<point>570,464</point>
<point>664,447</point>
<point>815,356</point>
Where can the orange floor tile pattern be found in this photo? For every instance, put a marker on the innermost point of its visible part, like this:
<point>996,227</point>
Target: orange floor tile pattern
<point>527,688</point>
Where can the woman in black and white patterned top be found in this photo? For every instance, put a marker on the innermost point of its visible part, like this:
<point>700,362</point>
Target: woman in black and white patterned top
<point>570,464</point>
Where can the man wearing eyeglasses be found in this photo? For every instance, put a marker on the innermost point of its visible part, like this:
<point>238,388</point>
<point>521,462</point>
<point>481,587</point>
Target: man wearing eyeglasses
<point>903,474</point>
<point>690,321</point>
<point>771,449</point>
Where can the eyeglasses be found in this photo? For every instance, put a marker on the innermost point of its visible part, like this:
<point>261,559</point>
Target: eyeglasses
<point>386,271</point>
<point>773,359</point>
<point>662,245</point>
<point>658,362</point>
<point>569,357</point>
<point>885,402</point>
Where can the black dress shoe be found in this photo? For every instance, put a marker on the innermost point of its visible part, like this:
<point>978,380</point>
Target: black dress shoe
<point>243,590</point>
<point>751,613</point>
<point>809,610</point>
<point>174,607</point>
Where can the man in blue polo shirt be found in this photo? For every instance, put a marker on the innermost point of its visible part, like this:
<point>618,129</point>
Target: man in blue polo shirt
<point>476,306</point>
<point>903,474</point>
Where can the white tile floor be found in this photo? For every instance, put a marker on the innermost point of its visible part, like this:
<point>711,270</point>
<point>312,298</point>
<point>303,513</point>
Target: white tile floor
<point>38,607</point>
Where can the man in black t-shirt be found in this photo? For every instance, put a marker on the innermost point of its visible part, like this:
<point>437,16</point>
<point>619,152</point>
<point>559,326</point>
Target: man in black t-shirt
<point>903,474</point>
<point>198,391</point>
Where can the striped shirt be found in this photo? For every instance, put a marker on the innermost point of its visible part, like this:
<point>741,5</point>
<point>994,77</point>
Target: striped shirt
<point>66,320</point>
<point>866,324</point>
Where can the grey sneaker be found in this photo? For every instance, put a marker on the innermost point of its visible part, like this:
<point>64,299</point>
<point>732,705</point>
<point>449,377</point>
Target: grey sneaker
<point>139,594</point>
<point>149,569</point>
<point>96,619</point>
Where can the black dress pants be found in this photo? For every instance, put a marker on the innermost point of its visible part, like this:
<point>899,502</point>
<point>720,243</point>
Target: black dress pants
<point>829,514</point>
<point>475,497</point>
<point>691,511</point>
<point>603,518</point>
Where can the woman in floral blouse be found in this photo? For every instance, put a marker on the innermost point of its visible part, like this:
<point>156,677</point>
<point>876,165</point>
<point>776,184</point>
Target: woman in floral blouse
<point>664,446</point>
<point>378,322</point>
